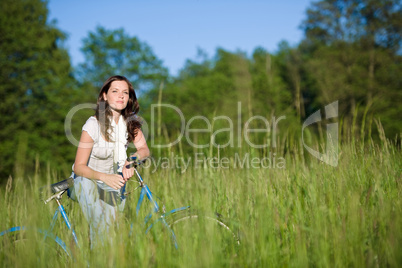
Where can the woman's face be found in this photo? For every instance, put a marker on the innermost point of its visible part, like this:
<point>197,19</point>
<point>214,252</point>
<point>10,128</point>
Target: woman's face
<point>117,95</point>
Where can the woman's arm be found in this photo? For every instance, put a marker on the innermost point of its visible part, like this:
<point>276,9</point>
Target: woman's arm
<point>142,152</point>
<point>141,145</point>
<point>81,160</point>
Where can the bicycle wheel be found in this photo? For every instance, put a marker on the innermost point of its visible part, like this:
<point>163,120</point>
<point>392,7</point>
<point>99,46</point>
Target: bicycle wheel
<point>30,247</point>
<point>202,233</point>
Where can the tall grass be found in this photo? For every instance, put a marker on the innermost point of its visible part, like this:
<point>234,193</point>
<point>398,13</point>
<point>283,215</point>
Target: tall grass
<point>306,214</point>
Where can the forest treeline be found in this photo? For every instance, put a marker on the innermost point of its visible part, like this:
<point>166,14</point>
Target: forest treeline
<point>350,53</point>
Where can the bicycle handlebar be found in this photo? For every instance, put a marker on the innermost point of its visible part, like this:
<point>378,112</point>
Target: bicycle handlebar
<point>135,162</point>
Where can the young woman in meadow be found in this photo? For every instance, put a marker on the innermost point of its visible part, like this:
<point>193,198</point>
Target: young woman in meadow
<point>101,154</point>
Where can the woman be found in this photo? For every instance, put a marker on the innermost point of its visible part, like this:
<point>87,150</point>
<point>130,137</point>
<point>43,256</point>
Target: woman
<point>101,154</point>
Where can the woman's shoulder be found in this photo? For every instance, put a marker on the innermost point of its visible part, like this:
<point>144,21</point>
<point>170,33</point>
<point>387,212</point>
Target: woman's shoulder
<point>92,127</point>
<point>91,122</point>
<point>92,119</point>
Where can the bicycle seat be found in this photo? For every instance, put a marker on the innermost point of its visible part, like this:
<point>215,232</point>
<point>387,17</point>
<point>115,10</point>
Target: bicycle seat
<point>62,185</point>
<point>58,186</point>
<point>55,188</point>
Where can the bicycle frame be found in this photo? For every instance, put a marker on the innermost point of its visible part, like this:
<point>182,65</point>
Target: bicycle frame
<point>63,213</point>
<point>156,209</point>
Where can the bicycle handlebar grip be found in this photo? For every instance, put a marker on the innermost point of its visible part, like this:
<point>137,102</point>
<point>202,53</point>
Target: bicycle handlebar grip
<point>134,161</point>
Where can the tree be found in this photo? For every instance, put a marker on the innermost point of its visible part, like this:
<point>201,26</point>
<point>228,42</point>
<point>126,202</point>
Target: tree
<point>349,46</point>
<point>374,23</point>
<point>212,88</point>
<point>36,87</point>
<point>110,52</point>
<point>271,93</point>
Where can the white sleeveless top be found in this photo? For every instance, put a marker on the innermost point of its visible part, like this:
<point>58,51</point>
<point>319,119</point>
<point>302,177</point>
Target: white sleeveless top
<point>107,157</point>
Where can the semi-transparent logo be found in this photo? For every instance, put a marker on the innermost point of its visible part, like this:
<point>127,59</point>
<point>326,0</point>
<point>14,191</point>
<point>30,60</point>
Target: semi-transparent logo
<point>330,156</point>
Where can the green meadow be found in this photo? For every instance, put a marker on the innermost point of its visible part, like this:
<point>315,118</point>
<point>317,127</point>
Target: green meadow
<point>303,214</point>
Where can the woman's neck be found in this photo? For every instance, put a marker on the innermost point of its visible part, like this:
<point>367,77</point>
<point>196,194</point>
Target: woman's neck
<point>116,116</point>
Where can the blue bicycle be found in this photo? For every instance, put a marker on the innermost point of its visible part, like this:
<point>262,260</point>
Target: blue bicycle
<point>169,220</point>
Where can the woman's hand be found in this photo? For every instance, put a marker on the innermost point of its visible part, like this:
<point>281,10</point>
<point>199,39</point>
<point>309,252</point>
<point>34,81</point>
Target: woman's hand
<point>113,180</point>
<point>128,171</point>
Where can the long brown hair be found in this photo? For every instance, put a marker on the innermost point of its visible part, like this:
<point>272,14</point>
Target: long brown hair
<point>104,114</point>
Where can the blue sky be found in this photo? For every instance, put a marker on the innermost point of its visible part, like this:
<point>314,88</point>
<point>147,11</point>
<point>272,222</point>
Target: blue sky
<point>175,29</point>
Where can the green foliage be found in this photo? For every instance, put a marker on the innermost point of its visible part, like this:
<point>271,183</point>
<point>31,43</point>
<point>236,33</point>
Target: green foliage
<point>109,52</point>
<point>36,87</point>
<point>353,50</point>
<point>220,94</point>
<point>370,23</point>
